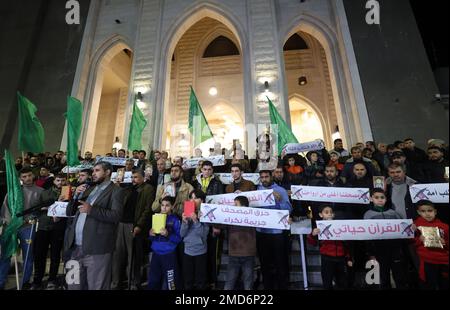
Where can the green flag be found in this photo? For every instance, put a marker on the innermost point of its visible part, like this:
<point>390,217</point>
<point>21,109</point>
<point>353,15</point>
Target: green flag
<point>8,240</point>
<point>31,132</point>
<point>74,118</point>
<point>138,123</point>
<point>198,125</point>
<point>285,135</point>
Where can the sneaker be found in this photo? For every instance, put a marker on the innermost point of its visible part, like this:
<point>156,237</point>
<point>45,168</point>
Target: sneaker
<point>51,285</point>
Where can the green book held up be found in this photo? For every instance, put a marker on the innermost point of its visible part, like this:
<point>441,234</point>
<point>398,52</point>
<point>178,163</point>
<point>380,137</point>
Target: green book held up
<point>158,222</point>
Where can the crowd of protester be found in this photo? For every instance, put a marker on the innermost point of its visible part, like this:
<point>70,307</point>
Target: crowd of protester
<point>109,228</point>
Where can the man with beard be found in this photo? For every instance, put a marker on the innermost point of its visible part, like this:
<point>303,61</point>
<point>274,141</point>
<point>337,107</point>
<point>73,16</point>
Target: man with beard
<point>271,243</point>
<point>434,168</point>
<point>88,160</point>
<point>239,184</point>
<point>356,158</point>
<point>176,188</point>
<point>31,198</point>
<point>50,234</point>
<point>92,236</point>
<point>132,230</point>
<point>331,179</point>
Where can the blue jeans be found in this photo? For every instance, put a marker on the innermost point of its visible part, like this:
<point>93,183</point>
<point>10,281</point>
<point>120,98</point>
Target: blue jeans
<point>23,235</point>
<point>235,264</point>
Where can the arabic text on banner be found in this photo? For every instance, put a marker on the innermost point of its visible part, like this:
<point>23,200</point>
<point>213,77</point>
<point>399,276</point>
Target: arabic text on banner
<point>76,169</point>
<point>191,163</point>
<point>437,193</point>
<point>226,178</point>
<point>263,198</point>
<point>365,229</point>
<point>294,148</point>
<point>243,216</point>
<point>331,194</point>
<point>58,209</point>
<point>116,161</point>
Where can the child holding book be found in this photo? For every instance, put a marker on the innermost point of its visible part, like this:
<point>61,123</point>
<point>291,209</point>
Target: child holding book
<point>194,234</point>
<point>163,272</point>
<point>433,254</point>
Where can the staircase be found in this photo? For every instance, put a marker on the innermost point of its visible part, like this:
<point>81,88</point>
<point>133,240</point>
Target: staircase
<point>295,266</point>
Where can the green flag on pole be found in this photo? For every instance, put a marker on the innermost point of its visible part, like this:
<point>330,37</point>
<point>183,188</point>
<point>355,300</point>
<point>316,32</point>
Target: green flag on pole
<point>74,117</point>
<point>31,132</point>
<point>285,135</point>
<point>198,125</point>
<point>138,123</point>
<point>8,240</point>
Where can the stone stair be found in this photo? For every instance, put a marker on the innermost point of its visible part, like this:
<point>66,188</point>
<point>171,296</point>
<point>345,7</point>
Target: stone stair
<point>312,257</point>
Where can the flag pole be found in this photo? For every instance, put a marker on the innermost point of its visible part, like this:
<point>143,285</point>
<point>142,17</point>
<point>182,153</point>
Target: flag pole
<point>17,272</point>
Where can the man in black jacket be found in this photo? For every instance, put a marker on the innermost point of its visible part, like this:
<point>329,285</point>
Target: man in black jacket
<point>50,233</point>
<point>413,153</point>
<point>92,237</point>
<point>434,168</point>
<point>331,179</point>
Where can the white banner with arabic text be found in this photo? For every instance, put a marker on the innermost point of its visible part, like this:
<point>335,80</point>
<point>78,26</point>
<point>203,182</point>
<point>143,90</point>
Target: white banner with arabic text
<point>243,216</point>
<point>437,193</point>
<point>262,198</point>
<point>226,178</point>
<point>365,229</point>
<point>331,194</point>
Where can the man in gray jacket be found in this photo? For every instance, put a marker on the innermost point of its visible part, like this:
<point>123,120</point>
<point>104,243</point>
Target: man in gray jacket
<point>92,236</point>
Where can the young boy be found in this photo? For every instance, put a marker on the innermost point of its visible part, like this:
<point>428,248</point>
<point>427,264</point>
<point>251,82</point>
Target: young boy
<point>163,273</point>
<point>433,270</point>
<point>195,234</point>
<point>241,251</point>
<point>388,253</point>
<point>335,256</point>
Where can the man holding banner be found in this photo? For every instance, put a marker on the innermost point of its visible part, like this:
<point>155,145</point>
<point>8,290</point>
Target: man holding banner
<point>271,243</point>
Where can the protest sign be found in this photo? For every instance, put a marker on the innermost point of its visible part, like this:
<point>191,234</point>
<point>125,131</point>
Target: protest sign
<point>127,177</point>
<point>226,178</point>
<point>437,192</point>
<point>262,198</point>
<point>331,194</point>
<point>294,148</point>
<point>192,163</point>
<point>58,209</point>
<point>244,216</point>
<point>365,229</point>
<point>115,161</point>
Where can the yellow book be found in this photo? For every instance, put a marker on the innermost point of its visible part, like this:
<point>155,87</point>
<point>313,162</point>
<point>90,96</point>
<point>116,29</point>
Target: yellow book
<point>158,222</point>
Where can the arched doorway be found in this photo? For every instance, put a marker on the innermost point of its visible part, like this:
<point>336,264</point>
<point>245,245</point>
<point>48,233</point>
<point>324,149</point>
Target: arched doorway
<point>208,57</point>
<point>236,87</point>
<point>106,99</point>
<point>338,73</point>
<point>308,81</point>
<point>306,122</point>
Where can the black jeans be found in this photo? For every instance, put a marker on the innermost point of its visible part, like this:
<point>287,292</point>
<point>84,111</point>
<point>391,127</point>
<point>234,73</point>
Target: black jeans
<point>436,277</point>
<point>274,260</point>
<point>44,239</point>
<point>391,258</point>
<point>194,271</point>
<point>333,268</point>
